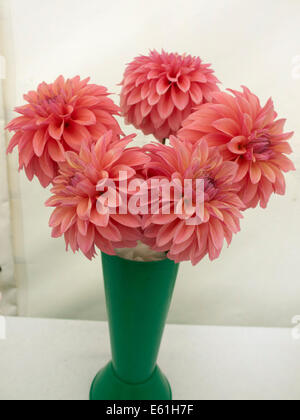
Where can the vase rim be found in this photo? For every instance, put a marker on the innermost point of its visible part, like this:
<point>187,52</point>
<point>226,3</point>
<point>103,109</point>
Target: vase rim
<point>160,262</point>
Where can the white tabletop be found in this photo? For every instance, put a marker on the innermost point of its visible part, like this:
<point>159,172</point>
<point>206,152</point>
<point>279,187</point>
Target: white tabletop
<point>57,360</point>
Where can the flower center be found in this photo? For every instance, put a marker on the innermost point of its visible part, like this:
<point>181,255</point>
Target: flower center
<point>74,180</point>
<point>210,189</point>
<point>258,147</point>
<point>50,100</point>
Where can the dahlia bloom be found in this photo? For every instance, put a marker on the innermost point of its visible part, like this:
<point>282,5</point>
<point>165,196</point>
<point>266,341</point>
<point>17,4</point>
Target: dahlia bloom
<point>160,90</point>
<point>76,197</point>
<point>248,134</point>
<point>177,232</point>
<point>57,118</point>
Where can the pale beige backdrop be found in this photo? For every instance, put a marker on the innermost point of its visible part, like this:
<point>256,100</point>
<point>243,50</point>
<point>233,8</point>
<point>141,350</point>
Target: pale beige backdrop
<point>252,42</point>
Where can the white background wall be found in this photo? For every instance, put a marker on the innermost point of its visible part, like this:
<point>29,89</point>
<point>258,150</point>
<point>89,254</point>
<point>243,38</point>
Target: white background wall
<point>254,42</point>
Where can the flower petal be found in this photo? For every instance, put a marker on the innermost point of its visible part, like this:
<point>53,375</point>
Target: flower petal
<point>184,83</point>
<point>267,171</point>
<point>180,98</point>
<point>255,173</point>
<point>84,117</point>
<point>227,126</point>
<point>165,106</point>
<point>127,220</point>
<point>56,151</point>
<point>56,129</point>
<point>75,134</point>
<point>84,208</point>
<point>162,86</point>
<point>39,141</point>
<point>196,93</point>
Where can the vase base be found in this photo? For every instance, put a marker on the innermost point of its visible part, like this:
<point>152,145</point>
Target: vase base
<point>107,386</point>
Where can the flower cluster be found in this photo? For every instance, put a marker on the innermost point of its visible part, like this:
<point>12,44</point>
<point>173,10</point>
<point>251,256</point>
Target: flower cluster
<point>78,214</point>
<point>248,134</point>
<point>57,118</point>
<point>185,235</point>
<point>226,154</point>
<point>160,91</point>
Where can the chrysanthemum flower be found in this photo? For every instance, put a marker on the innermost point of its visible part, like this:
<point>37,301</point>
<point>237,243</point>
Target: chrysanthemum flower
<point>57,118</point>
<point>76,197</point>
<point>248,134</point>
<point>183,234</point>
<point>160,90</point>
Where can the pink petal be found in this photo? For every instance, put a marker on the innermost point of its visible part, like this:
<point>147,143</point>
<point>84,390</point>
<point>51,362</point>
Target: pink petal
<point>214,139</point>
<point>162,86</point>
<point>162,219</point>
<point>68,220</point>
<point>84,117</point>
<point>183,233</point>
<point>99,219</point>
<point>56,129</point>
<point>255,173</point>
<point>214,252</point>
<point>127,220</point>
<point>84,208</point>
<point>87,241</point>
<point>247,125</point>
<point>39,141</point>
<point>57,217</point>
<point>266,189</point>
<point>198,76</point>
<point>145,90</point>
<point>145,108</point>
<point>138,115</point>
<point>14,142</point>
<point>227,171</point>
<point>249,192</point>
<point>284,163</point>
<point>196,93</point>
<point>87,102</point>
<point>56,151</point>
<point>178,248</point>
<point>26,154</point>
<point>165,106</point>
<point>180,98</point>
<point>283,148</point>
<point>237,145</point>
<point>244,167</point>
<point>216,232</point>
<point>156,118</point>
<point>47,165</point>
<point>277,127</point>
<point>153,98</point>
<point>175,120</point>
<point>135,96</point>
<point>267,171</point>
<point>166,234</point>
<point>184,83</point>
<point>163,132</point>
<point>75,134</point>
<point>227,126</point>
<point>29,170</point>
<point>110,232</point>
<point>231,222</point>
<point>280,185</point>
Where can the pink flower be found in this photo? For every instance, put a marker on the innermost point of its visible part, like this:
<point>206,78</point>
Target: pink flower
<point>76,197</point>
<point>249,135</point>
<point>57,118</point>
<point>177,233</point>
<point>160,91</point>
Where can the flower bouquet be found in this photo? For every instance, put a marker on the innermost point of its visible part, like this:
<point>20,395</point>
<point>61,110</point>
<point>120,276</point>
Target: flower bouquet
<point>147,209</point>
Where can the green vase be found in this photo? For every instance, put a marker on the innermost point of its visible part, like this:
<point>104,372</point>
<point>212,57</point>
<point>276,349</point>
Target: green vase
<point>138,297</point>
